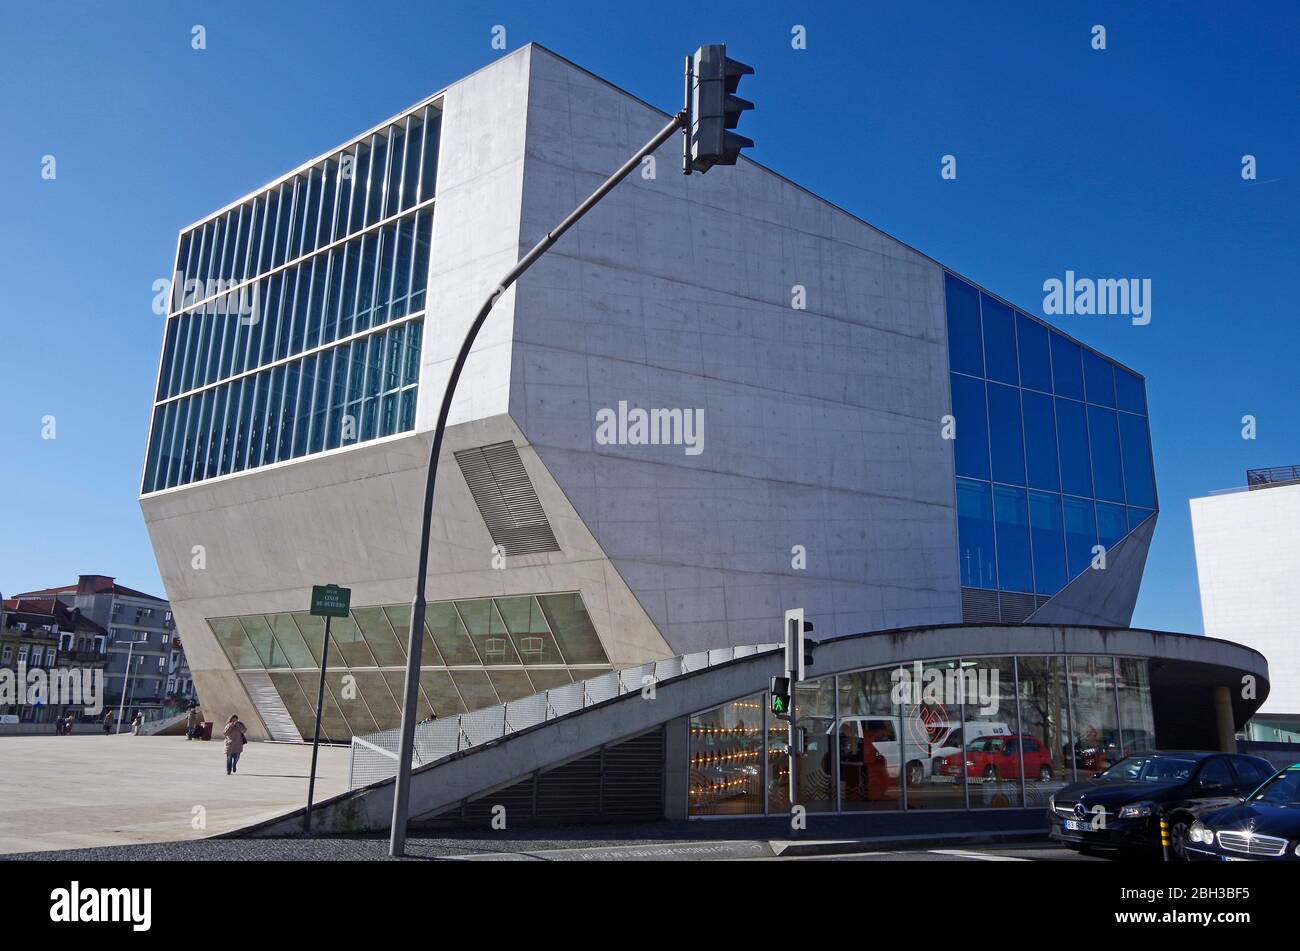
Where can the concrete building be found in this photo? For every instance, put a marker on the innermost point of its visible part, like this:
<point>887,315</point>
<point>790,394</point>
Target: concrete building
<point>718,397</point>
<point>1247,559</point>
<point>140,630</point>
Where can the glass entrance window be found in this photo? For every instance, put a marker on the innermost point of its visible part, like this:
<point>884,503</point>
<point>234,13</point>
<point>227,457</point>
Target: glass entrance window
<point>1138,730</point>
<point>868,742</point>
<point>726,753</point>
<point>992,746</point>
<point>930,724</point>
<point>1044,712</point>
<point>981,733</point>
<point>814,706</point>
<point>1095,742</point>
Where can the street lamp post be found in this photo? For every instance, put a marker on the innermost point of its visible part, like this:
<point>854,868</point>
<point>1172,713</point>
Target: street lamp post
<point>121,702</point>
<point>710,110</point>
<point>401,791</point>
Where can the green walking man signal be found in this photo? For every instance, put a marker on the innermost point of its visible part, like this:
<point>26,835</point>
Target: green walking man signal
<point>781,697</point>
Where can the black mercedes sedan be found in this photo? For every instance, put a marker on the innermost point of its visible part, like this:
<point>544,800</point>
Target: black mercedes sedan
<point>1121,808</point>
<point>1264,826</point>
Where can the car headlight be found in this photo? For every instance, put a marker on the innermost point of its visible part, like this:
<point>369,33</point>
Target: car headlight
<point>1136,810</point>
<point>1200,834</point>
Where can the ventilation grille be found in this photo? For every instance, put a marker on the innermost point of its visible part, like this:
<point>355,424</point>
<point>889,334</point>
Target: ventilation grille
<point>506,499</point>
<point>271,708</point>
<point>979,606</point>
<point>1017,607</point>
<point>623,782</point>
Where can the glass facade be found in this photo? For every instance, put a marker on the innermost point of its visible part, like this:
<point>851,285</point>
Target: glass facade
<point>1052,450</point>
<point>475,654</point>
<point>961,733</point>
<point>295,318</point>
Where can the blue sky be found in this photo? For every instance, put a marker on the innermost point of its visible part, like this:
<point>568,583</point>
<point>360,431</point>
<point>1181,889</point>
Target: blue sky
<point>1117,163</point>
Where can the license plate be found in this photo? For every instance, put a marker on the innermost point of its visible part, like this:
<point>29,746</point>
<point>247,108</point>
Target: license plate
<point>1231,858</point>
<point>1076,825</point>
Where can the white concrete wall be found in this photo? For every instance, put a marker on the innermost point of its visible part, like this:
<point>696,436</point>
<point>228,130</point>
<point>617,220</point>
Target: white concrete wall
<point>821,425</point>
<point>475,239</point>
<point>1248,563</point>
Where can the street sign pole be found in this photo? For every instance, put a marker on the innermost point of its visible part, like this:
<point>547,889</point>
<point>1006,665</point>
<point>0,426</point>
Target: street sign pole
<point>315,739</point>
<point>328,601</point>
<point>121,701</point>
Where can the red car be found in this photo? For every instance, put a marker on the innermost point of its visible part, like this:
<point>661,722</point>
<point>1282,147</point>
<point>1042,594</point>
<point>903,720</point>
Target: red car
<point>998,757</point>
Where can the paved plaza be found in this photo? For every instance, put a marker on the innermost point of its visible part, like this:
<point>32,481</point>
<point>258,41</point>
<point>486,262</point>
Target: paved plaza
<point>75,792</point>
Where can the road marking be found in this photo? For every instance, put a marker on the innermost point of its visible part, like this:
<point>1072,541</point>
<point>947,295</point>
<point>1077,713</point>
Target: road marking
<point>981,856</point>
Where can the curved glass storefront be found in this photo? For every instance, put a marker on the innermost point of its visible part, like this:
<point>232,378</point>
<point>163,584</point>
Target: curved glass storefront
<point>963,733</point>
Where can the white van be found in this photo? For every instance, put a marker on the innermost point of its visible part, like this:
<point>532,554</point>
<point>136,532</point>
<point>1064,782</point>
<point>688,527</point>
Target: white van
<point>882,733</point>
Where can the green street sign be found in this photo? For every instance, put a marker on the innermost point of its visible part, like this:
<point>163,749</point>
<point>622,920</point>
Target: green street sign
<point>329,600</point>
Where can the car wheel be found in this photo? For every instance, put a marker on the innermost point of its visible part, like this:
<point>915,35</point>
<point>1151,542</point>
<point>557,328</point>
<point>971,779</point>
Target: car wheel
<point>1178,839</point>
<point>915,773</point>
<point>1045,774</point>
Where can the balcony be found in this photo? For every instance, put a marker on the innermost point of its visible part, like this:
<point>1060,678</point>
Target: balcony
<point>1268,478</point>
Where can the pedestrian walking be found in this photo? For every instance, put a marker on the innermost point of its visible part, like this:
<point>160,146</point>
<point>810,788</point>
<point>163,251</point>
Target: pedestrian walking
<point>68,725</point>
<point>137,724</point>
<point>235,739</point>
<point>108,722</point>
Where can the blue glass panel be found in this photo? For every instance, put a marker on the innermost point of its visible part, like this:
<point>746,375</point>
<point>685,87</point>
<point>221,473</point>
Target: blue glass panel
<point>999,341</point>
<point>971,448</point>
<point>1040,441</point>
<point>965,343</point>
<point>1035,355</point>
<point>1112,525</point>
<point>1103,439</point>
<point>975,534</point>
<point>1072,442</point>
<point>1137,516</point>
<point>1048,534</point>
<point>1006,441</point>
<point>1067,367</point>
<point>1130,392</point>
<point>1098,379</point>
<point>1138,476</point>
<point>1080,534</point>
<point>1011,519</point>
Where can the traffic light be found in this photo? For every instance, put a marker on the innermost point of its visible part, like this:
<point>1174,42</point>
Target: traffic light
<point>780,689</point>
<point>797,648</point>
<point>713,108</point>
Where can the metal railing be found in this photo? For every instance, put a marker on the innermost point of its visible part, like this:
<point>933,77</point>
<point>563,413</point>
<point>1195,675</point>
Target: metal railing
<point>1277,475</point>
<point>374,756</point>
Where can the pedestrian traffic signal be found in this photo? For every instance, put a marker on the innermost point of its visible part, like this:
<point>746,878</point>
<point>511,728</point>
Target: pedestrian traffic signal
<point>713,108</point>
<point>780,688</point>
